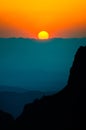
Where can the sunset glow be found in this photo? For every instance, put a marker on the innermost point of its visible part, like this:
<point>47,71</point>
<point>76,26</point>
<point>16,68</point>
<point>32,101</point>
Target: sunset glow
<point>43,35</point>
<point>61,18</point>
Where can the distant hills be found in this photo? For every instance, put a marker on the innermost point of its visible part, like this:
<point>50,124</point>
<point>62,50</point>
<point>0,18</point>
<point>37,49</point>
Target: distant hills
<point>13,102</point>
<point>63,110</point>
<point>13,99</point>
<point>12,89</point>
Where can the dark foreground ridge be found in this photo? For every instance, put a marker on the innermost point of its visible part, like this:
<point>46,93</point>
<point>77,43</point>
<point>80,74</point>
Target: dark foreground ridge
<point>64,110</point>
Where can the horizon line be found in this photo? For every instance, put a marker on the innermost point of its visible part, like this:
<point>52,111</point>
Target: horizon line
<point>42,39</point>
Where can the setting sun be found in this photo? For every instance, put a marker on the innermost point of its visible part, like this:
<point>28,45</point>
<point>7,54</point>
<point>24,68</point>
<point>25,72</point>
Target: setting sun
<point>43,35</point>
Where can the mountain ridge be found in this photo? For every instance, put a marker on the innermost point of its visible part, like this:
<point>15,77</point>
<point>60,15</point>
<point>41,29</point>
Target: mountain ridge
<point>63,110</point>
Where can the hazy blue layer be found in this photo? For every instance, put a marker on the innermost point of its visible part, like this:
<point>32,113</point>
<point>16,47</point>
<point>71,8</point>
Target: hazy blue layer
<point>37,65</point>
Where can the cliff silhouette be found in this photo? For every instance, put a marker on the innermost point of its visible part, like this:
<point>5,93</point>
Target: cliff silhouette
<point>63,110</point>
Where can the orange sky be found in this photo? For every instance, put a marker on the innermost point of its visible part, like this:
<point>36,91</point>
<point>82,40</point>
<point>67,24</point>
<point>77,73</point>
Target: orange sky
<point>25,18</point>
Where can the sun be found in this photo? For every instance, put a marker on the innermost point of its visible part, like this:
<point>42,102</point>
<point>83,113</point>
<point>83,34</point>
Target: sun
<point>43,35</point>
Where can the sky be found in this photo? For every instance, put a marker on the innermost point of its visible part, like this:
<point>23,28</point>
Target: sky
<point>26,18</point>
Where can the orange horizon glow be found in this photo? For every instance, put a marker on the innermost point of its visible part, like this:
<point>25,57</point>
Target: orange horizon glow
<point>23,18</point>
